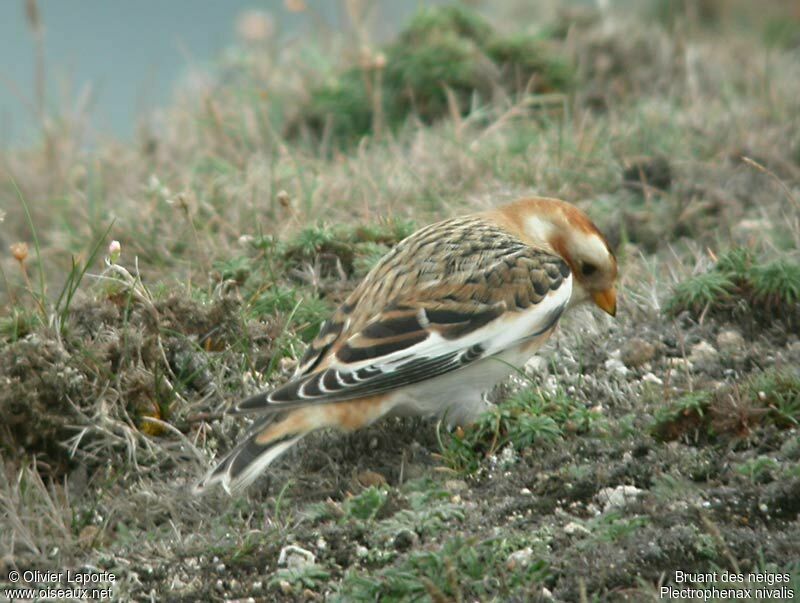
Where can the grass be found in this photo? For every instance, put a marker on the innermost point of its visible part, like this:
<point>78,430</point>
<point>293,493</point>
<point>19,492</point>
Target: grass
<point>263,197</point>
<point>528,418</point>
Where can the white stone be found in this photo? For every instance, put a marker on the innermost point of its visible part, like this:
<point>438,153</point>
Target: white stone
<point>614,365</point>
<point>617,498</point>
<point>537,364</point>
<point>703,352</point>
<point>575,528</point>
<point>651,378</point>
<point>680,363</point>
<point>520,558</point>
<point>730,341</point>
<point>293,556</point>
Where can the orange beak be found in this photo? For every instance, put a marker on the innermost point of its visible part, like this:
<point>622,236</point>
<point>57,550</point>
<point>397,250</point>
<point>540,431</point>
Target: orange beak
<point>606,300</point>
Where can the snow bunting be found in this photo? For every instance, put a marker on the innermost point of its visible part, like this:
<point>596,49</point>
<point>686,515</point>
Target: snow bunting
<point>439,321</point>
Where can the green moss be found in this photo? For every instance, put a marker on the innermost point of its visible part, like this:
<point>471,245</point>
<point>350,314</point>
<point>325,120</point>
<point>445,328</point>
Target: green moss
<point>456,20</point>
<point>305,311</point>
<point>389,232</point>
<point>776,284</point>
<point>367,504</point>
<point>311,241</point>
<point>524,58</point>
<point>740,285</point>
<point>769,397</point>
<point>367,255</point>
<point>687,415</point>
<point>442,51</point>
<point>614,526</point>
<point>357,248</point>
<point>736,263</point>
<point>460,569</point>
<point>759,469</point>
<point>418,76</point>
<point>312,576</point>
<point>341,108</point>
<point>528,417</point>
<point>779,392</point>
<point>17,324</point>
<point>710,291</point>
<point>782,33</point>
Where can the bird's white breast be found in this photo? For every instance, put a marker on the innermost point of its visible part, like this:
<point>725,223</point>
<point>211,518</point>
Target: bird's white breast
<point>459,396</point>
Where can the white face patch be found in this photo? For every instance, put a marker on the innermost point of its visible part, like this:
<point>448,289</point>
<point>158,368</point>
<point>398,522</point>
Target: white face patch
<point>593,247</point>
<point>538,229</point>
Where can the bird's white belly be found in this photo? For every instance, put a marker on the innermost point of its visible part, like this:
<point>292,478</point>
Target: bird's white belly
<point>459,396</point>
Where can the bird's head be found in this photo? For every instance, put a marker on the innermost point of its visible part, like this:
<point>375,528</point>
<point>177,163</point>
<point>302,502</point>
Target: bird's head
<point>568,231</point>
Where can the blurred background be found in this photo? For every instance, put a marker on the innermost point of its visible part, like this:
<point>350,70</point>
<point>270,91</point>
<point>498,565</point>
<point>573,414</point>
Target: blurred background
<point>114,62</point>
<point>120,59</point>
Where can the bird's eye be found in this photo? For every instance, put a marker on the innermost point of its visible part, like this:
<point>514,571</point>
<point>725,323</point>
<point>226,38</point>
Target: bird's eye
<point>588,269</point>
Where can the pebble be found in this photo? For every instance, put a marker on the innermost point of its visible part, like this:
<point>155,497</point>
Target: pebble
<point>455,485</point>
<point>703,352</point>
<point>575,528</point>
<point>751,228</point>
<point>88,536</point>
<point>651,378</point>
<point>637,352</point>
<point>537,365</point>
<point>370,478</point>
<point>730,341</point>
<point>617,498</point>
<point>405,539</point>
<point>293,556</point>
<point>680,364</point>
<point>520,558</point>
<point>614,365</point>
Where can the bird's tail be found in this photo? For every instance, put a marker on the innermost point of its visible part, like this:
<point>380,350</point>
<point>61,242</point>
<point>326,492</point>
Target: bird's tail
<point>274,434</point>
<point>268,439</point>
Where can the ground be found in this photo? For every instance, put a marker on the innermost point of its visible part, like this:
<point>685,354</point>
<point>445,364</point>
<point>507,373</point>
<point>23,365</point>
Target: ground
<point>628,454</point>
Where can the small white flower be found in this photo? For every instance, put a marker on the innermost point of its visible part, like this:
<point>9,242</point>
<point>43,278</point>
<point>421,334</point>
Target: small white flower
<point>114,251</point>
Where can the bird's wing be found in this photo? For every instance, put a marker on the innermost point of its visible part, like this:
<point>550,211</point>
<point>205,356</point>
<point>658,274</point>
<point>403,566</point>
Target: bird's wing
<point>439,325</point>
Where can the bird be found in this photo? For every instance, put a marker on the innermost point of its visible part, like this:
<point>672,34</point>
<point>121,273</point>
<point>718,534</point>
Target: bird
<point>442,318</point>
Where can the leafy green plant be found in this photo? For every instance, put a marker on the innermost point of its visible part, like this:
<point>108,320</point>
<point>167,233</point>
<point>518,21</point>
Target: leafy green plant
<point>430,512</point>
<point>529,416</point>
<point>365,505</point>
